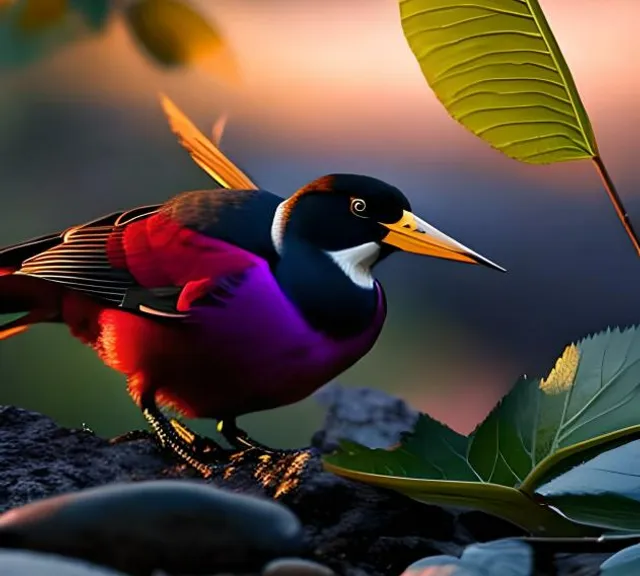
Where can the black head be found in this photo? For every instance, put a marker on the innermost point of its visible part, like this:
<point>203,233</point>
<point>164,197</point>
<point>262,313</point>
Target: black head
<point>343,211</point>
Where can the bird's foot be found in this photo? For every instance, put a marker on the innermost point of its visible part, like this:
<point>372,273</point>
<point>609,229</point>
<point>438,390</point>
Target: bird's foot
<point>203,447</point>
<point>240,440</point>
<point>131,436</point>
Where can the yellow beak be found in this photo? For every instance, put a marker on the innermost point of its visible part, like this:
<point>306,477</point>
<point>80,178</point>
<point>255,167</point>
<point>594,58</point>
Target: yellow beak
<point>412,234</point>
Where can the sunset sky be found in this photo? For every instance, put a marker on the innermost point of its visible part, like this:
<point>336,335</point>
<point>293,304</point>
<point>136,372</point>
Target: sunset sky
<point>332,86</point>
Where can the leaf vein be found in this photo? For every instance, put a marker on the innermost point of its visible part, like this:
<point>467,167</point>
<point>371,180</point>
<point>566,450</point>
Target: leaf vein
<point>524,123</point>
<point>613,408</point>
<point>458,73</point>
<point>553,150</point>
<point>515,92</point>
<point>437,9</point>
<point>457,41</point>
<point>485,55</point>
<point>595,397</point>
<point>514,107</point>
<point>540,137</point>
<point>461,457</point>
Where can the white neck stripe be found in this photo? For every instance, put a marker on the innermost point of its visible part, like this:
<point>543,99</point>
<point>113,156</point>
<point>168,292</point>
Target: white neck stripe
<point>277,227</point>
<point>355,261</point>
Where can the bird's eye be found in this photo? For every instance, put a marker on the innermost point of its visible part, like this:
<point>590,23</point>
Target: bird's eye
<point>358,207</point>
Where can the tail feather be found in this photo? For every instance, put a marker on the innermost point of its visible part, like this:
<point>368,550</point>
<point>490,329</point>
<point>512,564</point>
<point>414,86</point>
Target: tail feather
<point>36,300</point>
<point>12,257</point>
<point>21,324</point>
<point>10,329</point>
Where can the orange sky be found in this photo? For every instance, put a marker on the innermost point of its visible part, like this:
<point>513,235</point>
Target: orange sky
<point>341,74</point>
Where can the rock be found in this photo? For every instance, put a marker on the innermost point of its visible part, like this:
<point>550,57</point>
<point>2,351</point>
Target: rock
<point>24,563</point>
<point>354,529</point>
<point>173,525</point>
<point>507,557</point>
<point>40,459</point>
<point>296,567</point>
<point>364,415</point>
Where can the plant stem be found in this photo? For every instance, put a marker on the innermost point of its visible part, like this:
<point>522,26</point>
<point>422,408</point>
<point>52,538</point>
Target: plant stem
<point>617,202</point>
<point>535,518</point>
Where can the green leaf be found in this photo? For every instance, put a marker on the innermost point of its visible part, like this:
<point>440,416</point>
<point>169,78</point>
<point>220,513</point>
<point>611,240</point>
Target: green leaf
<point>33,29</point>
<point>175,34</point>
<point>603,491</point>
<point>498,70</point>
<point>37,15</point>
<point>536,432</point>
<point>95,12</point>
<point>507,557</point>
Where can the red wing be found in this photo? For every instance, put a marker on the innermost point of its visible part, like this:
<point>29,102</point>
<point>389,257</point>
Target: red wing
<point>143,261</point>
<point>81,260</point>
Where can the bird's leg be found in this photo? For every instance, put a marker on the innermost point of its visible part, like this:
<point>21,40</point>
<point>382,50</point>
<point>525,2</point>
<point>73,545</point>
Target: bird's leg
<point>178,443</point>
<point>199,444</point>
<point>238,438</point>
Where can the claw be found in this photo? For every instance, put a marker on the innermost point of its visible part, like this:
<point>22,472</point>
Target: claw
<point>239,439</point>
<point>196,451</point>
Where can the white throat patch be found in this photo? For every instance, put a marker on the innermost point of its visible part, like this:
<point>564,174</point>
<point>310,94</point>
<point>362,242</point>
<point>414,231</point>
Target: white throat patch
<point>356,262</point>
<point>277,227</point>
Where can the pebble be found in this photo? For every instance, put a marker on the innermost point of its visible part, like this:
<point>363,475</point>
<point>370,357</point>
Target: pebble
<point>24,563</point>
<point>507,557</point>
<point>179,526</point>
<point>296,567</point>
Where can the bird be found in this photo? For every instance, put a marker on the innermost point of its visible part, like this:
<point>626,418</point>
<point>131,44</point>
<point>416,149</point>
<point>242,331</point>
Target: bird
<point>222,302</point>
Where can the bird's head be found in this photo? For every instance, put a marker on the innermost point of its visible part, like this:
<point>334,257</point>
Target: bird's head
<point>359,220</point>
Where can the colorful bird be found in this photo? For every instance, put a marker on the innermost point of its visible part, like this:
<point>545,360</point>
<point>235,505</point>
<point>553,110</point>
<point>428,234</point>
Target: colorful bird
<point>223,302</point>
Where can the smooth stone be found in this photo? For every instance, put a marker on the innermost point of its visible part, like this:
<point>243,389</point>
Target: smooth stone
<point>179,526</point>
<point>26,563</point>
<point>296,567</point>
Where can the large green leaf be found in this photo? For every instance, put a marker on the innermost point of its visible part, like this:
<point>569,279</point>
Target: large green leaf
<point>603,491</point>
<point>498,70</point>
<point>589,398</point>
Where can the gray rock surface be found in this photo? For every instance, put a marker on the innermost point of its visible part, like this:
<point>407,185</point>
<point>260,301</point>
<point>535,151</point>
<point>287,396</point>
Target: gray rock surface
<point>364,415</point>
<point>174,525</point>
<point>354,529</point>
<point>27,563</point>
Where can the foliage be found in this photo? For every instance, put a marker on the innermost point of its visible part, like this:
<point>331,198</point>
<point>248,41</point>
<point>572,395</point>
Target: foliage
<point>174,34</point>
<point>171,32</point>
<point>498,70</point>
<point>524,461</point>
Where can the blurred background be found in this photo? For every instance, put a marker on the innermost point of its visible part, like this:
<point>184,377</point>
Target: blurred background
<point>330,87</point>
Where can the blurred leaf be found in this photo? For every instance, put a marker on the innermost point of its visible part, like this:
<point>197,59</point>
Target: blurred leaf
<point>623,563</point>
<point>603,491</point>
<point>500,557</point>
<point>174,34</point>
<point>95,12</point>
<point>4,6</point>
<point>589,399</point>
<point>498,70</point>
<point>33,29</point>
<point>37,15</point>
